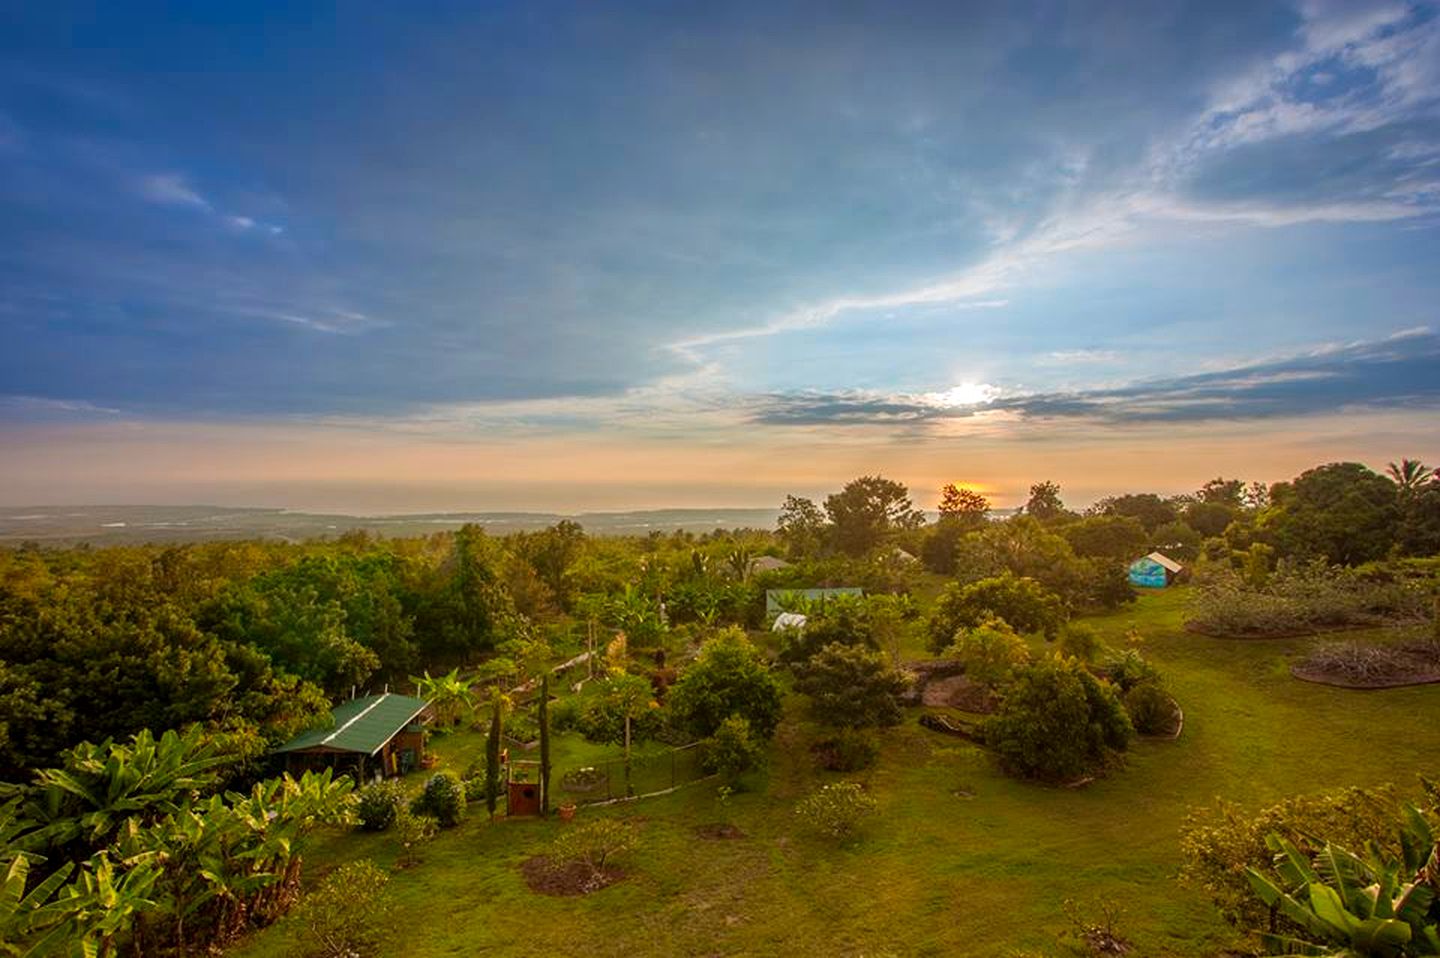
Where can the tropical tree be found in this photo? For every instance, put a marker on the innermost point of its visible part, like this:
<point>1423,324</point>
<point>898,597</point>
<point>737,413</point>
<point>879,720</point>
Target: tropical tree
<point>1022,603</point>
<point>1410,474</point>
<point>963,505</point>
<point>1044,502</point>
<point>729,677</point>
<point>867,510</point>
<point>852,687</point>
<point>449,695</point>
<point>631,696</point>
<point>801,526</point>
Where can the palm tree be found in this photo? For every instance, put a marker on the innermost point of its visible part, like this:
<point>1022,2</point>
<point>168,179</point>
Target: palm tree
<point>1411,474</point>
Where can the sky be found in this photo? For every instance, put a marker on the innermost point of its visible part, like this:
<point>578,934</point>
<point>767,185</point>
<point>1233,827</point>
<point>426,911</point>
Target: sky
<point>416,257</point>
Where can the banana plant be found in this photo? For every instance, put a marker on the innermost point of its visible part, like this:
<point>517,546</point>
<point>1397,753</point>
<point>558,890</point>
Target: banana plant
<point>101,786</point>
<point>449,695</point>
<point>1378,906</point>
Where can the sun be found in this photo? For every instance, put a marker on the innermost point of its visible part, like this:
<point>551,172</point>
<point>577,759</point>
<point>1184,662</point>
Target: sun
<point>965,394</point>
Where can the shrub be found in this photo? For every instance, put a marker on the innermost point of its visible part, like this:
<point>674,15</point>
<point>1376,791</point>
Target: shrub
<point>852,687</point>
<point>602,719</point>
<point>1151,709</point>
<point>565,714</point>
<point>836,811</point>
<point>1218,843</point>
<point>729,677</point>
<point>849,750</point>
<point>1057,722</point>
<point>1023,603</point>
<point>475,787</point>
<point>345,915</point>
<point>732,750</point>
<point>594,843</point>
<point>1303,597</point>
<point>842,620</point>
<point>413,831</point>
<point>1079,642</point>
<point>1129,670</point>
<point>378,804</point>
<point>443,798</point>
<point>990,652</point>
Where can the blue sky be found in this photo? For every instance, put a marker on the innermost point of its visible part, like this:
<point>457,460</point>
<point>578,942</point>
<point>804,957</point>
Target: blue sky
<point>913,237</point>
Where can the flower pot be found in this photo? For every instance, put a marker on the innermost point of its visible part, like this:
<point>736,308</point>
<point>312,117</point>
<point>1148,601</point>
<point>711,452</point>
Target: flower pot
<point>567,812</point>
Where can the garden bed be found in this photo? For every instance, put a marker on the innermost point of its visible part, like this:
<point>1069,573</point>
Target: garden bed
<point>545,877</point>
<point>1369,665</point>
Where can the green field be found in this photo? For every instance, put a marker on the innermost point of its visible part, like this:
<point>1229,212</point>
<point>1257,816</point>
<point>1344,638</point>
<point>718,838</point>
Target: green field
<point>959,861</point>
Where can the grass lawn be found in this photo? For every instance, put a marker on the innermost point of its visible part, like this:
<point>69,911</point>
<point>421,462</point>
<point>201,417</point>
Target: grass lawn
<point>959,861</point>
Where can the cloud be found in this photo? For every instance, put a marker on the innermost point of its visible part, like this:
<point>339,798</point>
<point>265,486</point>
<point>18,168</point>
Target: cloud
<point>1397,372</point>
<point>1078,357</point>
<point>172,189</point>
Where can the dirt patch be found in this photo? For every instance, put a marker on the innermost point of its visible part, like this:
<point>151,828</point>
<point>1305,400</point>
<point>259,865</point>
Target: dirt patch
<point>546,877</point>
<point>959,692</point>
<point>719,831</point>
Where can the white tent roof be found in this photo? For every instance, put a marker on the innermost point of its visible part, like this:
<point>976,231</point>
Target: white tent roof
<point>788,620</point>
<point>1170,564</point>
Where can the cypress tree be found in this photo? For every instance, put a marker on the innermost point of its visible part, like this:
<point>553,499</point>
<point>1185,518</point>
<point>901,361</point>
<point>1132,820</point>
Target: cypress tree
<point>492,760</point>
<point>544,719</point>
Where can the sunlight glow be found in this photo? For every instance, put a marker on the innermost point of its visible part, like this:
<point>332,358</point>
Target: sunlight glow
<point>965,394</point>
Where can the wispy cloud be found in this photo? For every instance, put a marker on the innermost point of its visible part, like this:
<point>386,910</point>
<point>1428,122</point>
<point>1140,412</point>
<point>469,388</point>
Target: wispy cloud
<point>1079,357</point>
<point>172,189</point>
<point>1395,372</point>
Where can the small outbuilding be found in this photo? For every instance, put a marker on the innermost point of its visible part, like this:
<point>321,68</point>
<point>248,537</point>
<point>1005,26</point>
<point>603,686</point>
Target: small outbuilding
<point>374,735</point>
<point>1154,571</point>
<point>761,564</point>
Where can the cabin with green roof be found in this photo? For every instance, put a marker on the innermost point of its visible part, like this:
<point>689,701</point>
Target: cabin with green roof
<point>374,735</point>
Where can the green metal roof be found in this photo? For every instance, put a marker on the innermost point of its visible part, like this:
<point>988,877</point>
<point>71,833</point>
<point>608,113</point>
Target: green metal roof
<point>776,599</point>
<point>360,725</point>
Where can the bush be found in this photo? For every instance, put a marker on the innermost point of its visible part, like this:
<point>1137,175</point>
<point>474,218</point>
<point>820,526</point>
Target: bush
<point>729,677</point>
<point>443,798</point>
<point>852,687</point>
<point>842,620</point>
<point>1079,642</point>
<point>1022,603</point>
<point>1304,597</point>
<point>345,915</point>
<point>732,750</point>
<point>565,714</point>
<point>836,811</point>
<point>1220,842</point>
<point>1151,709</point>
<point>413,831</point>
<point>1129,670</point>
<point>475,787</point>
<point>990,652</point>
<point>378,804</point>
<point>594,843</point>
<point>602,719</point>
<point>848,750</point>
<point>1057,722</point>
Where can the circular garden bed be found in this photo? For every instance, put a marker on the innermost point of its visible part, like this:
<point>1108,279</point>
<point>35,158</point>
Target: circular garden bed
<point>1372,665</point>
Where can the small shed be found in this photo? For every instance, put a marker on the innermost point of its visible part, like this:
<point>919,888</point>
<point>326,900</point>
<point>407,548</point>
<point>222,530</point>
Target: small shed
<point>377,734</point>
<point>767,564</point>
<point>1154,571</point>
